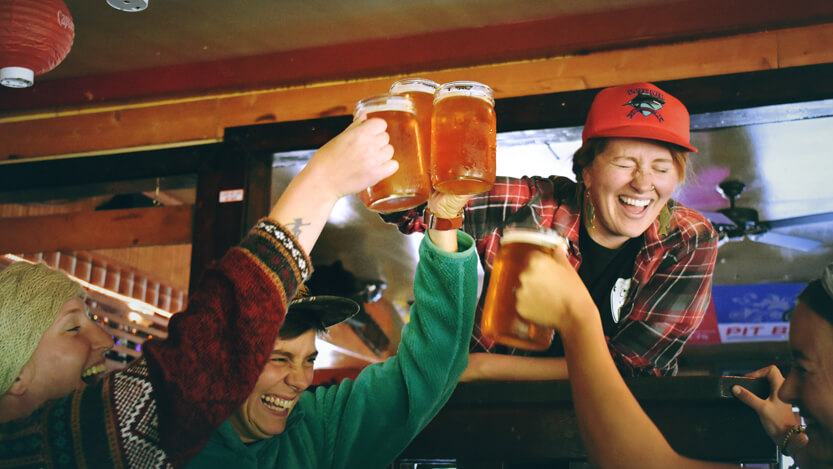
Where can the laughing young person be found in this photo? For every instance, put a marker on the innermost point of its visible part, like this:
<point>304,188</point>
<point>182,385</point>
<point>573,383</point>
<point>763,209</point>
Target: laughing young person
<point>616,431</point>
<point>646,259</point>
<point>162,408</point>
<point>367,422</point>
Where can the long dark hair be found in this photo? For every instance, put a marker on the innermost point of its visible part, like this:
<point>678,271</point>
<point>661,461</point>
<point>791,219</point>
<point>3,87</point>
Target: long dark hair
<point>294,325</point>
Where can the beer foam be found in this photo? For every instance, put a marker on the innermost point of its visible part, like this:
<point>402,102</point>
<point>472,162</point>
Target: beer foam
<point>466,93</point>
<point>388,107</point>
<point>547,239</point>
<point>414,85</point>
<point>470,89</point>
<point>385,102</point>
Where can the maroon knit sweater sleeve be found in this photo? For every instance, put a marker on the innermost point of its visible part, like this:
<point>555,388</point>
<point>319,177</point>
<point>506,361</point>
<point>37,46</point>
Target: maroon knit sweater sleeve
<point>217,347</point>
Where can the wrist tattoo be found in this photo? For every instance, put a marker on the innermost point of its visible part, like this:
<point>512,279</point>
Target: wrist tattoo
<point>295,227</point>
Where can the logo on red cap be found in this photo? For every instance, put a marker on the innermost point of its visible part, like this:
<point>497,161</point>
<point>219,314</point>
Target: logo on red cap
<point>647,102</point>
<point>625,111</point>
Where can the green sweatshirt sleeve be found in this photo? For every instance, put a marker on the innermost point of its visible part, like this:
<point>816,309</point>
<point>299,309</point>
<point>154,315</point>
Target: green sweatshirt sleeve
<point>368,422</point>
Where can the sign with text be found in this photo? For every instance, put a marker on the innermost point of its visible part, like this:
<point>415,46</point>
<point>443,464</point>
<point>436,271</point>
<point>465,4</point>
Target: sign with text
<point>748,313</point>
<point>231,195</point>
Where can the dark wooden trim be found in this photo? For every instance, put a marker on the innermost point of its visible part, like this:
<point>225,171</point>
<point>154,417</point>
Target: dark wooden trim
<point>700,95</point>
<point>88,170</point>
<point>573,34</point>
<point>569,109</point>
<point>219,226</point>
<point>97,230</point>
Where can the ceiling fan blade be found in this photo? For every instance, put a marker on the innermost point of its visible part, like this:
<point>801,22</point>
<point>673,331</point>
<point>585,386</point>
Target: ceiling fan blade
<point>802,220</point>
<point>786,241</point>
<point>717,218</point>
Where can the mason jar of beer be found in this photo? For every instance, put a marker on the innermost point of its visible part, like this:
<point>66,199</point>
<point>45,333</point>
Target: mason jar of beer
<point>463,138</point>
<point>500,321</point>
<point>421,90</point>
<point>409,186</point>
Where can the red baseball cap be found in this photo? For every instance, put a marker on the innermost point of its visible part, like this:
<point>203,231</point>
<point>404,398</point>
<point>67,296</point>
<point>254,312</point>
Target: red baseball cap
<point>638,110</point>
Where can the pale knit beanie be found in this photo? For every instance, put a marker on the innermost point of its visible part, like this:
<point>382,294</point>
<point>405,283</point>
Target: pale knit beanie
<point>31,295</point>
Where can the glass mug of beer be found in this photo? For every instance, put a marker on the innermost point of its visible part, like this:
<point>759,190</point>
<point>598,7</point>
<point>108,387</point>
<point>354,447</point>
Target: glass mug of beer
<point>463,138</point>
<point>409,186</point>
<point>421,90</point>
<point>500,321</point>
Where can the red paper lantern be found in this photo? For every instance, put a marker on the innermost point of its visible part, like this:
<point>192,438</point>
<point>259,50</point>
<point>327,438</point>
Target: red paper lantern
<point>35,36</point>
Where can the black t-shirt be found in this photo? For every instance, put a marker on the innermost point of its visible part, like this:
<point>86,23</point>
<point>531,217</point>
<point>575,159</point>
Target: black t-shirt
<point>601,268</point>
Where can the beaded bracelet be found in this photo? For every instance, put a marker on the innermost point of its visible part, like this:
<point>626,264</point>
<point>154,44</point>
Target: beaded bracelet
<point>794,430</point>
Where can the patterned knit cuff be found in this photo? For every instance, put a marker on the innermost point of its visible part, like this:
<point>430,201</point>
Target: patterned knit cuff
<point>267,239</point>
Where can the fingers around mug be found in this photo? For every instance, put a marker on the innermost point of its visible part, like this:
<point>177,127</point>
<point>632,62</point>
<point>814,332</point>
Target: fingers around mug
<point>387,168</point>
<point>374,126</point>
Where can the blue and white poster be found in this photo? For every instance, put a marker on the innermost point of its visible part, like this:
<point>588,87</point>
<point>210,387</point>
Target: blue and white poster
<point>750,313</point>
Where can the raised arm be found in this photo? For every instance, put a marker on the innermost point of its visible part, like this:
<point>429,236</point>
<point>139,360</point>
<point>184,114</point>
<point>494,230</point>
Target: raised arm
<point>352,161</point>
<point>615,430</point>
<point>218,346</point>
<point>410,387</point>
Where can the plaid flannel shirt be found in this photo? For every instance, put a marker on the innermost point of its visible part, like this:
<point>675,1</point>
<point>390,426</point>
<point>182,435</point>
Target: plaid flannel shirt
<point>671,284</point>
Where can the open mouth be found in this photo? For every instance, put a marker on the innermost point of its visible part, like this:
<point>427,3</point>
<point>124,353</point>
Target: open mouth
<point>634,206</point>
<point>639,203</point>
<point>276,403</point>
<point>91,374</point>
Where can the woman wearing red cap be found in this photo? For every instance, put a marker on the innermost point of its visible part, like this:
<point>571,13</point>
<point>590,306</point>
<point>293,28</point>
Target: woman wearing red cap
<point>646,260</point>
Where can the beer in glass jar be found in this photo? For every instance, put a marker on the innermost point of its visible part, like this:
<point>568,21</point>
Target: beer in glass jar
<point>409,186</point>
<point>421,90</point>
<point>463,138</point>
<point>500,321</point>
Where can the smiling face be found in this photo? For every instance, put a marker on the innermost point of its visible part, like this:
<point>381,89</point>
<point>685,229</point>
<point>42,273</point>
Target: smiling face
<point>809,384</point>
<point>629,183</point>
<point>70,349</point>
<point>287,374</point>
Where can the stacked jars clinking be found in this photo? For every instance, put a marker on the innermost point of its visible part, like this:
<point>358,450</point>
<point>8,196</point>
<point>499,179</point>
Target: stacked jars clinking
<point>444,136</point>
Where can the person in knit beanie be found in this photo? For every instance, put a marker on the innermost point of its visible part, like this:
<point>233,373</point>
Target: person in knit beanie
<point>162,408</point>
<point>45,335</point>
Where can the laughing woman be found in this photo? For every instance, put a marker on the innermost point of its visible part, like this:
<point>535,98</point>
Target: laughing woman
<point>646,259</point>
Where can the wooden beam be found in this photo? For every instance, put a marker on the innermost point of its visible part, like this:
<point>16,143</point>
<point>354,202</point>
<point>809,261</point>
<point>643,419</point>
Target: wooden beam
<point>96,128</point>
<point>568,109</point>
<point>124,167</point>
<point>97,230</point>
<point>219,222</point>
<point>572,34</point>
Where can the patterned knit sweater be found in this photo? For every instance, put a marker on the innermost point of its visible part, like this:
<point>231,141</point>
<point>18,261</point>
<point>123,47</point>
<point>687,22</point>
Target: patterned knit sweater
<point>365,423</point>
<point>161,410</point>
